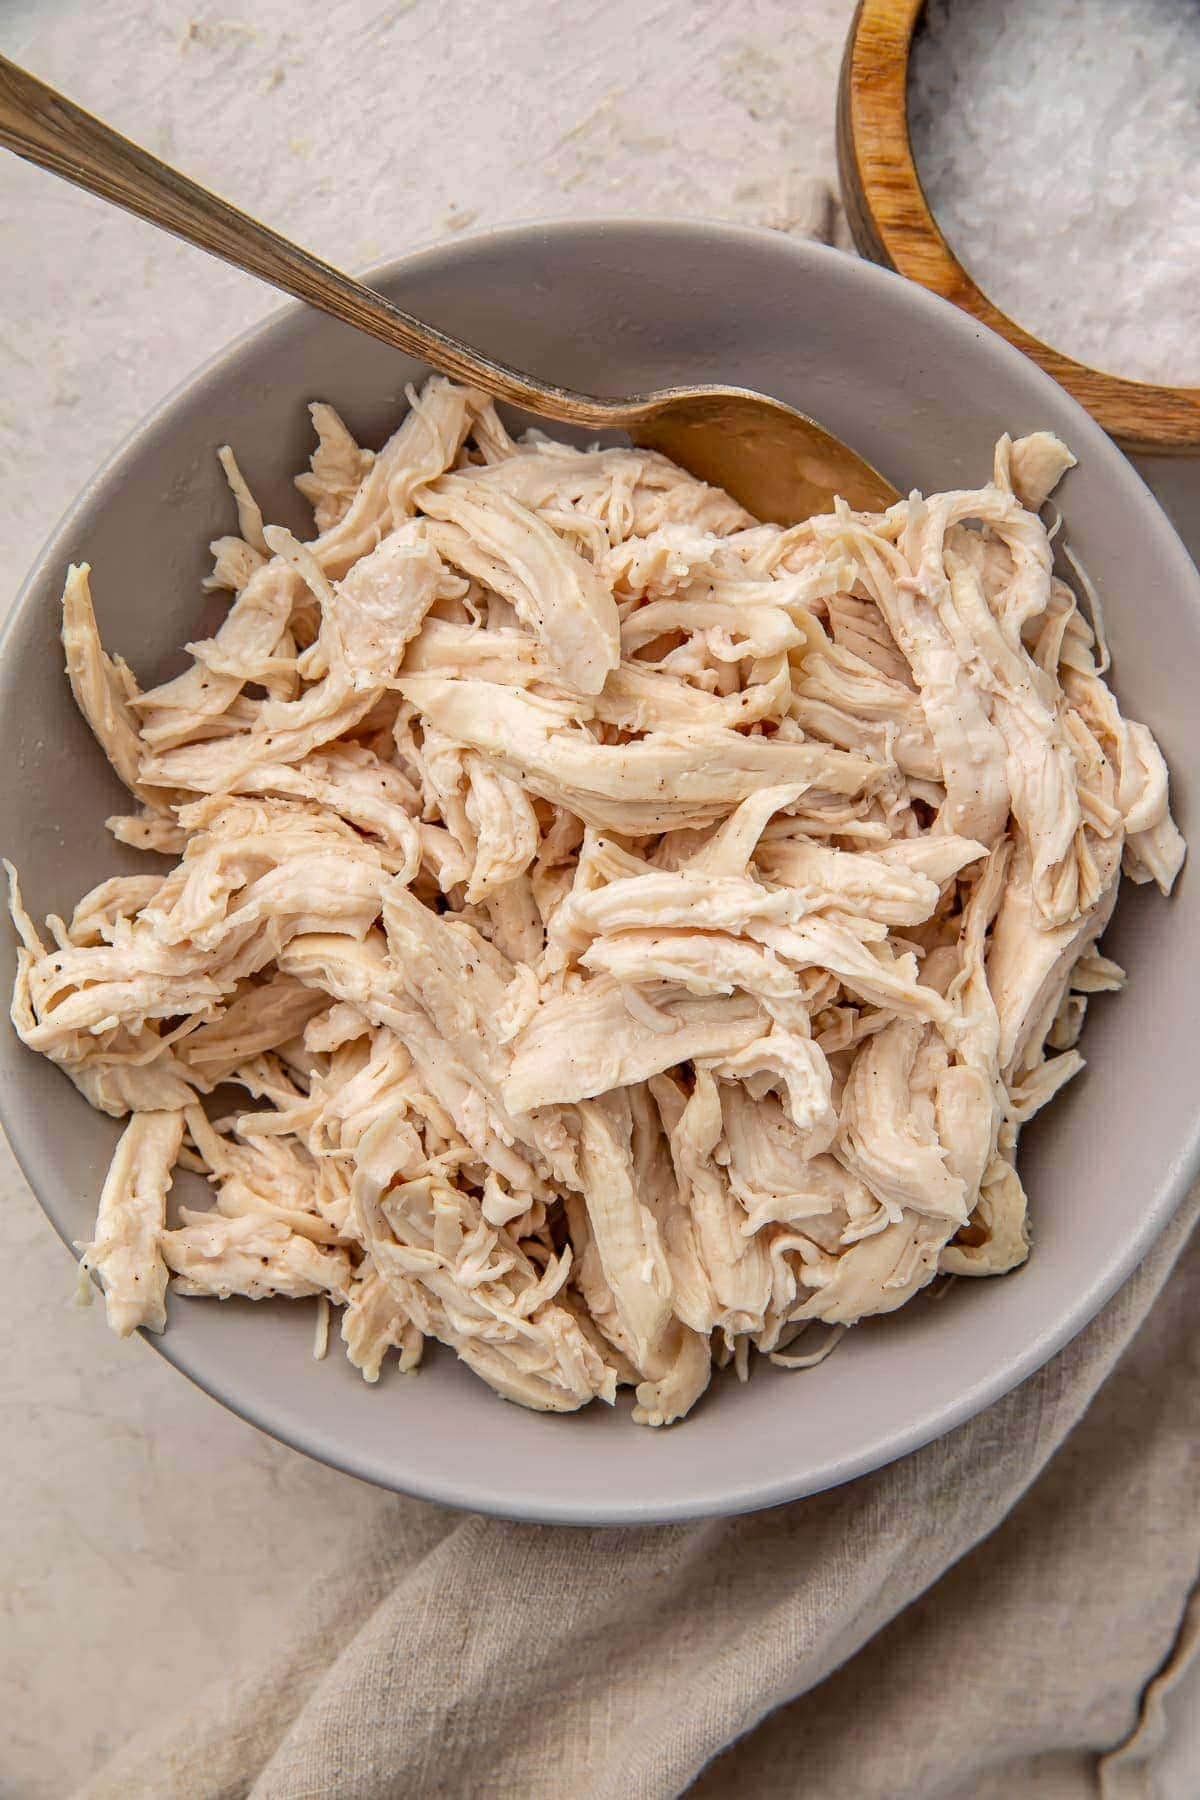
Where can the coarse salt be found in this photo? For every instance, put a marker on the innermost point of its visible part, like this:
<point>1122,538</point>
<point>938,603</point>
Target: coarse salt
<point>1058,146</point>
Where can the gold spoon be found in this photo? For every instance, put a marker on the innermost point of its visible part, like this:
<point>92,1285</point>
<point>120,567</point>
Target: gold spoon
<point>779,464</point>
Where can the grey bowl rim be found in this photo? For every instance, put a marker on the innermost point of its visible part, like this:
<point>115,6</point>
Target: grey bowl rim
<point>738,1498</point>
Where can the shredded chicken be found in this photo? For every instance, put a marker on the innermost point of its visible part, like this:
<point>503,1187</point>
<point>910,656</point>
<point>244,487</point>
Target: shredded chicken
<point>636,932</point>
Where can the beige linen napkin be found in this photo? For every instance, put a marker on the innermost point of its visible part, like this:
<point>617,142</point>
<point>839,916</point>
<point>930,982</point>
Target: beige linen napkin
<point>978,1621</point>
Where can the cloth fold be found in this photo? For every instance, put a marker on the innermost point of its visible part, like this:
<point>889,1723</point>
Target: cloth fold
<point>977,1619</point>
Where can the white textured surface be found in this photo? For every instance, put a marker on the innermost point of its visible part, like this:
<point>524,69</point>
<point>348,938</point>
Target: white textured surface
<point>1058,147</point>
<point>148,1539</point>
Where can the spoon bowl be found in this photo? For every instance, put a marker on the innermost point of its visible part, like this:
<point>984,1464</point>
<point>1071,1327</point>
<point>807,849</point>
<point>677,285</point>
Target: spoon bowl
<point>780,464</point>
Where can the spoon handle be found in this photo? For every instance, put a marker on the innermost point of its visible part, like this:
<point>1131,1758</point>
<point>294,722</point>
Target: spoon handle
<point>46,128</point>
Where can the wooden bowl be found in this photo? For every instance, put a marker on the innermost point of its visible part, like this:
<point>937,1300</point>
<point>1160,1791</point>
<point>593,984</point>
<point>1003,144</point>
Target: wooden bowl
<point>892,224</point>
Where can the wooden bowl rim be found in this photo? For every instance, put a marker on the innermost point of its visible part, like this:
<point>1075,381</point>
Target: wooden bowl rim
<point>892,224</point>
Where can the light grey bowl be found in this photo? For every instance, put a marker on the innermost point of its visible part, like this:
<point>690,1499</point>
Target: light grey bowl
<point>922,391</point>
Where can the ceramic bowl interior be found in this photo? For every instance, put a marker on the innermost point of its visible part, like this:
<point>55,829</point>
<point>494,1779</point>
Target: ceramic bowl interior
<point>923,391</point>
